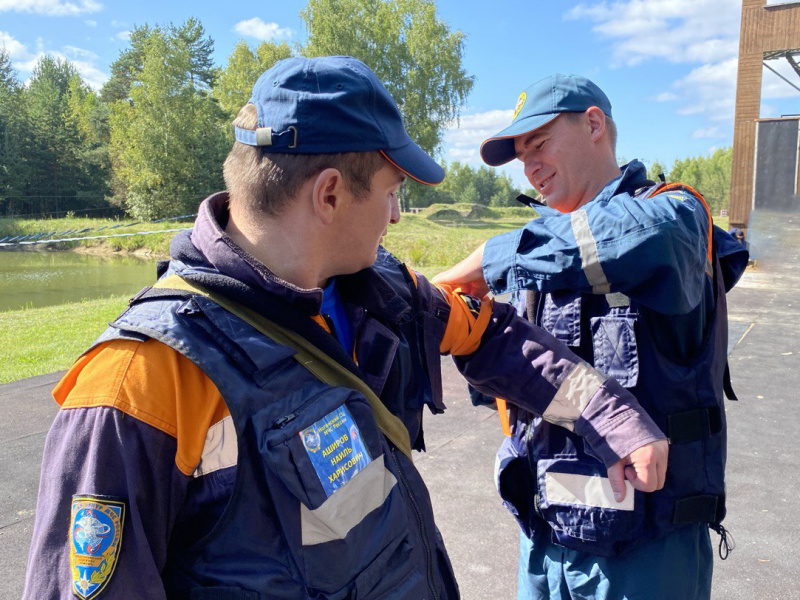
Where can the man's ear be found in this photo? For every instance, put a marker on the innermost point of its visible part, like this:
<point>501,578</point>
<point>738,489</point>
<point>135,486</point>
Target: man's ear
<point>596,119</point>
<point>327,197</point>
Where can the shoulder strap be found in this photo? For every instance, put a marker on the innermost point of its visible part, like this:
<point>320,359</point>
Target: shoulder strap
<point>309,356</point>
<point>664,188</point>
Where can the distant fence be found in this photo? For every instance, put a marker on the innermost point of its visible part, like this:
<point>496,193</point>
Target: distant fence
<point>87,233</point>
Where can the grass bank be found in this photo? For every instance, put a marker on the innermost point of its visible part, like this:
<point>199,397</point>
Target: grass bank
<point>123,235</point>
<point>442,235</point>
<point>36,341</point>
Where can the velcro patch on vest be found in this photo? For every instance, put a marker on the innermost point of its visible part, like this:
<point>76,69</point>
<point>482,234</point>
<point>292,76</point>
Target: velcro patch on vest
<point>95,537</point>
<point>336,449</point>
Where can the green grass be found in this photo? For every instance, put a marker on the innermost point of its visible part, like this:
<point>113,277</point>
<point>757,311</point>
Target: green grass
<point>36,341</point>
<point>154,243</point>
<point>430,245</point>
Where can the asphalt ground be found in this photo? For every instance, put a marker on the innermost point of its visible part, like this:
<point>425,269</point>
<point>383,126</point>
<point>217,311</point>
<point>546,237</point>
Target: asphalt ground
<point>763,475</point>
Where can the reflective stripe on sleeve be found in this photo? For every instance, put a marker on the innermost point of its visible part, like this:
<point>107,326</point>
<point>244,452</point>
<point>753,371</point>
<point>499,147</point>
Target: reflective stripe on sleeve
<point>590,262</point>
<point>348,505</point>
<point>220,450</point>
<point>585,490</point>
<point>573,395</point>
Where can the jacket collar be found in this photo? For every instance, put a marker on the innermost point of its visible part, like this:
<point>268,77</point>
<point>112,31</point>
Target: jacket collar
<point>217,247</point>
<point>366,288</point>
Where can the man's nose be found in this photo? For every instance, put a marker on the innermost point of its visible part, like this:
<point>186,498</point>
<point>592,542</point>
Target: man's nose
<point>531,167</point>
<point>395,214</point>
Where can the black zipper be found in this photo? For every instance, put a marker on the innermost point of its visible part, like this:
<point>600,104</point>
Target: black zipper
<point>283,421</point>
<point>420,521</point>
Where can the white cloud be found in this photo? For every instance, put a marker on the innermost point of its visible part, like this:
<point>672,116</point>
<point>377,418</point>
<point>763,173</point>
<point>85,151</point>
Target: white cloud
<point>91,23</point>
<point>773,86</point>
<point>708,133</point>
<point>15,49</point>
<point>118,24</point>
<point>666,97</point>
<point>462,141</point>
<point>51,8</point>
<point>673,30</point>
<point>75,53</point>
<point>704,32</point>
<point>260,30</point>
<point>123,35</point>
<point>709,90</point>
<point>83,60</point>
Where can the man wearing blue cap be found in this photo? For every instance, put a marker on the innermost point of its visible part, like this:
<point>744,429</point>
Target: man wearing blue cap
<point>244,430</point>
<point>632,277</point>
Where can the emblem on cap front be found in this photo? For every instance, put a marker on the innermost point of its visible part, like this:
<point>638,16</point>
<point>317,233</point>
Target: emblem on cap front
<point>95,537</point>
<point>520,103</point>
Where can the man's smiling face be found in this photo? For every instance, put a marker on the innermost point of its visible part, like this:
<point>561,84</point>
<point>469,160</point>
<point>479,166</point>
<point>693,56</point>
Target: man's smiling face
<point>556,158</point>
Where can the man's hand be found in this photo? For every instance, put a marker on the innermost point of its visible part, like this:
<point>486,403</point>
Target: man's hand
<point>466,275</point>
<point>645,468</point>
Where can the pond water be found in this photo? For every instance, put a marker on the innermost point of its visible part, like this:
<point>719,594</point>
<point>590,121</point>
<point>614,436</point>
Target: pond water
<point>35,279</point>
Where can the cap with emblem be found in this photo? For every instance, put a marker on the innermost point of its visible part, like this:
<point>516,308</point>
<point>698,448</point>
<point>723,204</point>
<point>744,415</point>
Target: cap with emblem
<point>333,104</point>
<point>539,104</point>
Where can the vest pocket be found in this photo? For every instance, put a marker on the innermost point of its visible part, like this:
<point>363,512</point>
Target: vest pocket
<point>516,483</point>
<point>335,498</point>
<point>576,500</point>
<point>615,350</point>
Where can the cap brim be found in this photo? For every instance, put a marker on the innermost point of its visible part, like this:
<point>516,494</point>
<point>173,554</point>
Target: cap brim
<point>416,163</point>
<point>499,149</point>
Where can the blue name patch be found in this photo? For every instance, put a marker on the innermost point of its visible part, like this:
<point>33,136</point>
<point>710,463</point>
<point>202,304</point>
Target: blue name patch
<point>95,536</point>
<point>336,449</point>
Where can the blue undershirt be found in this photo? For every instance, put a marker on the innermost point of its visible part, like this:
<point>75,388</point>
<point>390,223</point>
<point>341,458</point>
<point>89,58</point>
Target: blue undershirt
<point>333,308</point>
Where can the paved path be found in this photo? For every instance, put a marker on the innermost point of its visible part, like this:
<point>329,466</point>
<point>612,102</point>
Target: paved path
<point>763,474</point>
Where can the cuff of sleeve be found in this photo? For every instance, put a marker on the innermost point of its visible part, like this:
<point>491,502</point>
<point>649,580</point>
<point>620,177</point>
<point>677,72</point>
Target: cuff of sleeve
<point>500,262</point>
<point>614,424</point>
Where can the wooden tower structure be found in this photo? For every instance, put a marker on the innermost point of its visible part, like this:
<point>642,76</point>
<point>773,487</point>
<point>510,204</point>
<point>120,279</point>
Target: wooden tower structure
<point>768,31</point>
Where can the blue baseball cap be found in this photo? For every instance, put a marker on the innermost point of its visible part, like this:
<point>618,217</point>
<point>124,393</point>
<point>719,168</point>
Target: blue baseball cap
<point>333,104</point>
<point>539,104</point>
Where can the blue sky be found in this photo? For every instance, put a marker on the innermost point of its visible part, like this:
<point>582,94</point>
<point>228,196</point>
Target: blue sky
<point>668,66</point>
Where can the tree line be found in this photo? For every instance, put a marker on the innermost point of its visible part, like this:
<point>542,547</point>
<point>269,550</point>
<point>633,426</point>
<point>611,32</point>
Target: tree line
<point>710,175</point>
<point>152,140</point>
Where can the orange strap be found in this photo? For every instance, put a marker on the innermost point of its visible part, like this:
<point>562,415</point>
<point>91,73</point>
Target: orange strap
<point>464,330</point>
<point>502,410</point>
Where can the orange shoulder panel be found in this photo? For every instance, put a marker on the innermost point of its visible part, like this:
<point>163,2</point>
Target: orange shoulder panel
<point>152,383</point>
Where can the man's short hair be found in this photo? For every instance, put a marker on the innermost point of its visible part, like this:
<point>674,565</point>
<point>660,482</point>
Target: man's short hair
<point>610,126</point>
<point>264,182</point>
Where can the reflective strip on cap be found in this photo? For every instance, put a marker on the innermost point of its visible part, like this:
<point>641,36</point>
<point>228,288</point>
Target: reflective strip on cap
<point>590,262</point>
<point>348,505</point>
<point>221,448</point>
<point>585,490</point>
<point>573,395</point>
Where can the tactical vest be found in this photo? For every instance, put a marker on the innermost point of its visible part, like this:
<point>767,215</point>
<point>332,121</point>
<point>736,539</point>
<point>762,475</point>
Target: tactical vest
<point>541,465</point>
<point>293,529</point>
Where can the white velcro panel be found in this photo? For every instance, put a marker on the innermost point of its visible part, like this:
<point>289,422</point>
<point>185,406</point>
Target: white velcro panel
<point>221,449</point>
<point>573,395</point>
<point>590,262</point>
<point>585,490</point>
<point>348,505</point>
